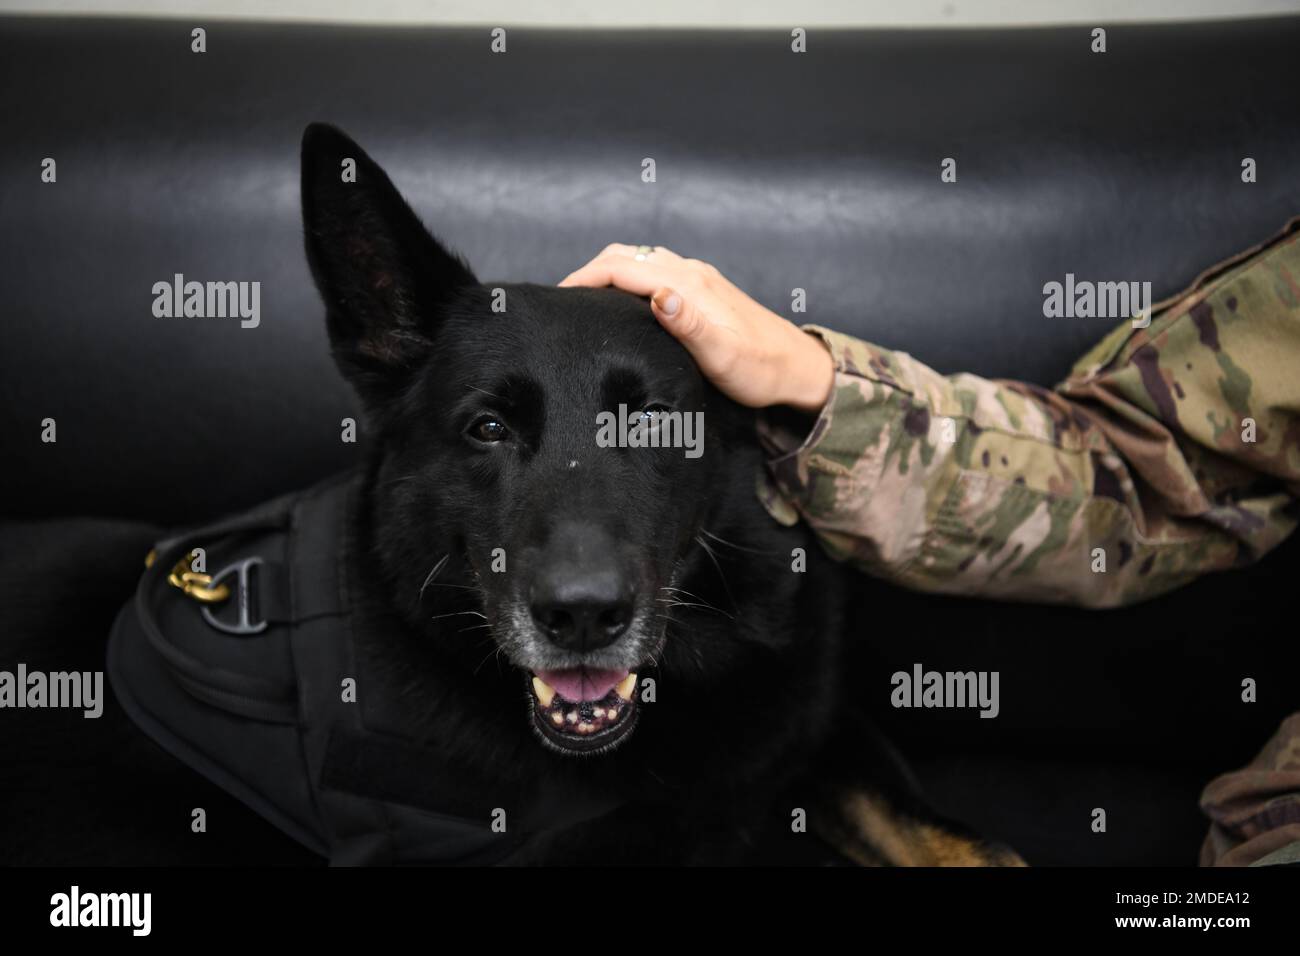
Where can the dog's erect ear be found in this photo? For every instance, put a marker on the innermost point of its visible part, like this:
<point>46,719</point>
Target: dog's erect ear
<point>380,272</point>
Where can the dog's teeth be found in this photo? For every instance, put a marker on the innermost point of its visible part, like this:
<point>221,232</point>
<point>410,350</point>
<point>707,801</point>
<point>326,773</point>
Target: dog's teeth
<point>598,712</point>
<point>571,716</point>
<point>625,689</point>
<point>545,693</point>
<point>613,713</point>
<point>585,728</point>
<point>557,718</point>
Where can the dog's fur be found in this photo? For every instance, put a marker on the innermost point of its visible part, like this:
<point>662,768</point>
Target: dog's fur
<point>753,727</point>
<point>749,722</point>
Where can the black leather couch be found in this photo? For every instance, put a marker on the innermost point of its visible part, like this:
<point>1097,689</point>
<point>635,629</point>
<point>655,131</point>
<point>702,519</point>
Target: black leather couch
<point>818,171</point>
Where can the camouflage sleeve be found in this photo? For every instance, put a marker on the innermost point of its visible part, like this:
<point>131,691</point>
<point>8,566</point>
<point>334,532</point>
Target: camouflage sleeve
<point>1169,451</point>
<point>1255,811</point>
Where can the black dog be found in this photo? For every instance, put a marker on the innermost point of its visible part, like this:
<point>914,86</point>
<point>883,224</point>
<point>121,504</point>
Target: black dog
<point>532,591</point>
<point>617,569</point>
<point>625,624</point>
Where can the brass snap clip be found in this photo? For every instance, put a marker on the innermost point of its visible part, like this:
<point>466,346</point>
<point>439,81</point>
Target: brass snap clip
<point>191,583</point>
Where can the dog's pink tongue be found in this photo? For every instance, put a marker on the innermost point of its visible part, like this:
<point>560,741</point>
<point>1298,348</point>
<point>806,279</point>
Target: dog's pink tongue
<point>582,683</point>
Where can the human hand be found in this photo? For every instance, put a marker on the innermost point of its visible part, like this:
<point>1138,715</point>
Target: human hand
<point>750,353</point>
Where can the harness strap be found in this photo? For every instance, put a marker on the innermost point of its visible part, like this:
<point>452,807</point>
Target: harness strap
<point>259,698</point>
<point>318,593</point>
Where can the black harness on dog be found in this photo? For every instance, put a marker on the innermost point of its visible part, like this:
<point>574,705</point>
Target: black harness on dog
<point>253,698</point>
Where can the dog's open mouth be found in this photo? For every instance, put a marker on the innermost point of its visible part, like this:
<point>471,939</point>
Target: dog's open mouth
<point>581,709</point>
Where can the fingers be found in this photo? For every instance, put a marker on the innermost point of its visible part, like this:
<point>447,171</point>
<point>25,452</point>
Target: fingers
<point>666,305</point>
<point>597,272</point>
<point>659,253</point>
<point>686,322</point>
<point>682,292</point>
<point>639,278</point>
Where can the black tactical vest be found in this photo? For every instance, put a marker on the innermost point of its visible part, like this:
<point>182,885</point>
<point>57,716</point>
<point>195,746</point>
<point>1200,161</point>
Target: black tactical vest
<point>248,693</point>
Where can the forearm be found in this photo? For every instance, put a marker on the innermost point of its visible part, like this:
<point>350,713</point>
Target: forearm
<point>1132,478</point>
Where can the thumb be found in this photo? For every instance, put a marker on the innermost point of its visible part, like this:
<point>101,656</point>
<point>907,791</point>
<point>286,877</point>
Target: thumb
<point>686,323</point>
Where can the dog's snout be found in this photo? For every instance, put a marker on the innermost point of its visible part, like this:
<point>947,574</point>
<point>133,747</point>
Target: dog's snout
<point>582,611</point>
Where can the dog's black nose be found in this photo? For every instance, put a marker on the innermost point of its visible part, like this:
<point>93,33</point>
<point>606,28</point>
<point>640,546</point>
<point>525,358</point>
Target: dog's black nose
<point>582,613</point>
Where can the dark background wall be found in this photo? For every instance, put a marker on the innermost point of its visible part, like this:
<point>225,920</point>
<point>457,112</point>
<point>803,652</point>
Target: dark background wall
<point>818,171</point>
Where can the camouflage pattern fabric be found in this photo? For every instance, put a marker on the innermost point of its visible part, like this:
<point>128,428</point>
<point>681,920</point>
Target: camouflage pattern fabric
<point>1169,451</point>
<point>1255,811</point>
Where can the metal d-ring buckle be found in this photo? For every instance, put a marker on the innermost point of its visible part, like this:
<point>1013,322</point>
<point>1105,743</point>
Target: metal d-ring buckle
<point>242,595</point>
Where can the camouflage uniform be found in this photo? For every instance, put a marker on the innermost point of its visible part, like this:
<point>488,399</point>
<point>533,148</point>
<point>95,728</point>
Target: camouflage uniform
<point>1255,811</point>
<point>1174,449</point>
<point>1169,451</point>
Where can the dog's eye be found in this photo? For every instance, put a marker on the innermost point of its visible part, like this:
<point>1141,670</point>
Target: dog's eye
<point>651,413</point>
<point>488,430</point>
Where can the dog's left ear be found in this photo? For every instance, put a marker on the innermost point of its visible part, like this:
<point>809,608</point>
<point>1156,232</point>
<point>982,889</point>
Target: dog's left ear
<point>382,275</point>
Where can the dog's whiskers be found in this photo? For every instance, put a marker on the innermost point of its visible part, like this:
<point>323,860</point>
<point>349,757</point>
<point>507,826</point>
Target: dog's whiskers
<point>662,602</point>
<point>437,567</point>
<point>683,591</point>
<point>492,653</point>
<point>437,617</point>
<point>732,544</point>
<point>681,637</point>
<point>714,558</point>
<point>691,594</point>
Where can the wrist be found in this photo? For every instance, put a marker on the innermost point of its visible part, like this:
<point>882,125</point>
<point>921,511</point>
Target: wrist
<point>810,373</point>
